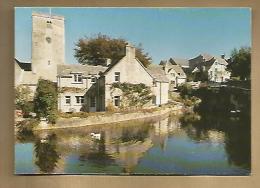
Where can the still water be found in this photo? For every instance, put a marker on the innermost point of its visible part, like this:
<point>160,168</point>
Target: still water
<point>183,145</point>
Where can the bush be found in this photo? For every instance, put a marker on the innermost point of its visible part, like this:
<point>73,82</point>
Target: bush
<point>45,101</point>
<point>185,91</point>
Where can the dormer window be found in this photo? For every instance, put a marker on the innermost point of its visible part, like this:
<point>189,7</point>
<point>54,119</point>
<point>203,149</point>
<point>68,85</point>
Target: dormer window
<point>93,79</point>
<point>78,78</point>
<point>49,24</point>
<point>117,76</point>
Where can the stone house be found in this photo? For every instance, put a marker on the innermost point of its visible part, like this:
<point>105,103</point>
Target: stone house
<point>89,88</point>
<point>174,72</point>
<point>214,67</point>
<point>82,87</point>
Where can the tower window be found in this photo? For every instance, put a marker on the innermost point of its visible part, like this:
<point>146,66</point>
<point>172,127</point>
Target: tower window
<point>48,39</point>
<point>49,62</point>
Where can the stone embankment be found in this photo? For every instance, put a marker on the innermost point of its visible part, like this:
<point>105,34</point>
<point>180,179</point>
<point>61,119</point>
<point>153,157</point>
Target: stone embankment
<point>108,118</point>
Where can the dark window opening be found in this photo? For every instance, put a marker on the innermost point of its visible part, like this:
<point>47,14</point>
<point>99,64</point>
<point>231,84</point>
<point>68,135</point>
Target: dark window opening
<point>117,100</point>
<point>117,76</point>
<point>79,99</point>
<point>67,99</point>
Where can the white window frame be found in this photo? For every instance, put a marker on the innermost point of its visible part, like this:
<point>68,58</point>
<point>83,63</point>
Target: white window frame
<point>79,99</point>
<point>68,100</point>
<point>78,78</point>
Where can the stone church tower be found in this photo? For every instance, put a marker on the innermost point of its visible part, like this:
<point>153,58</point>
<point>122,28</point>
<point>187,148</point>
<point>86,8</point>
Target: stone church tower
<point>48,43</point>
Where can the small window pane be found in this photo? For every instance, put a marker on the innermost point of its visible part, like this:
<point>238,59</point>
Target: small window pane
<point>67,99</point>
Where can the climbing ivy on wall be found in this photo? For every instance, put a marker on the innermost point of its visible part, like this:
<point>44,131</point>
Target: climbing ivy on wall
<point>133,95</point>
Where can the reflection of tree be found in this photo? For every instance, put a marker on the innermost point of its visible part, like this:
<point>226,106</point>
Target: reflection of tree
<point>214,115</point>
<point>46,154</point>
<point>238,143</point>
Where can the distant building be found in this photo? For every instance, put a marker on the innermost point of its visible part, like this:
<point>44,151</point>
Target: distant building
<point>215,67</point>
<point>174,72</point>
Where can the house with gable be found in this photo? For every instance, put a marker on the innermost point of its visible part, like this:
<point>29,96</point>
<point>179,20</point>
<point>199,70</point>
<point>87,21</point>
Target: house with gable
<point>214,67</point>
<point>175,73</point>
<point>89,88</point>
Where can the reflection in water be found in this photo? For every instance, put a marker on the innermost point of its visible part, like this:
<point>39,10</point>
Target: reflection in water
<point>196,143</point>
<point>46,153</point>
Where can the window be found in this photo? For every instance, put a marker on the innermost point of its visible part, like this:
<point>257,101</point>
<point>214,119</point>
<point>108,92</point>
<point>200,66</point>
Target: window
<point>179,74</point>
<point>92,101</point>
<point>154,83</point>
<point>117,100</point>
<point>154,100</point>
<point>67,99</point>
<point>117,76</point>
<point>78,78</point>
<point>93,79</point>
<point>79,99</point>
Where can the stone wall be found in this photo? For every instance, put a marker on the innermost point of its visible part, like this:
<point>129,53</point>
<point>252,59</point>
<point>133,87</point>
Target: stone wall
<point>109,118</point>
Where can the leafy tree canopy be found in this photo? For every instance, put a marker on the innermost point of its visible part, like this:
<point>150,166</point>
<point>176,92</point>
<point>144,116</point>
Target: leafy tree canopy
<point>95,49</point>
<point>45,101</point>
<point>240,65</point>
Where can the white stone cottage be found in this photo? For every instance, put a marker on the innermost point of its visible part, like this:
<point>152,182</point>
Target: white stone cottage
<point>175,73</point>
<point>88,88</point>
<point>216,67</point>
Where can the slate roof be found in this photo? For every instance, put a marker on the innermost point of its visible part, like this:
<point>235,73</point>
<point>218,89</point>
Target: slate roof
<point>23,65</point>
<point>221,61</point>
<point>177,69</point>
<point>181,62</point>
<point>206,57</point>
<point>65,70</point>
<point>157,73</point>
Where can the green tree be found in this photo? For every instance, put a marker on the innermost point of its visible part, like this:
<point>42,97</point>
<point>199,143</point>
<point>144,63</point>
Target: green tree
<point>22,96</point>
<point>240,65</point>
<point>23,99</point>
<point>95,49</point>
<point>45,101</point>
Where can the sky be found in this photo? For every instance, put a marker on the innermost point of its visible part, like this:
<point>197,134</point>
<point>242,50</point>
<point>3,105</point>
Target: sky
<point>163,32</point>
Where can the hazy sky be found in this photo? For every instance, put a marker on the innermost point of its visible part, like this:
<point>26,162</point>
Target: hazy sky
<point>163,32</point>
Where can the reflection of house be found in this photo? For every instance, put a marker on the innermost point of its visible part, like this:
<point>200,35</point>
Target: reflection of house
<point>215,67</point>
<point>174,73</point>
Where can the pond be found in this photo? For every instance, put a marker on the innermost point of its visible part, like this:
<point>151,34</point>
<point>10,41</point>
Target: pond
<point>169,145</point>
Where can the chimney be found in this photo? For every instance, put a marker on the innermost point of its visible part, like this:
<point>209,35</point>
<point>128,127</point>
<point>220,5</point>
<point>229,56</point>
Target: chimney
<point>223,56</point>
<point>130,51</point>
<point>108,61</point>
